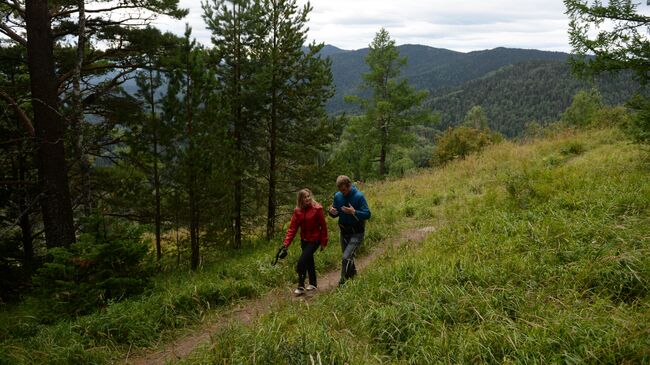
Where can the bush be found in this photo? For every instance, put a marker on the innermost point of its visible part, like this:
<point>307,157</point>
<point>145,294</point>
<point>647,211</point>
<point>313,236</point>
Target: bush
<point>460,142</point>
<point>105,265</point>
<point>583,109</point>
<point>12,272</point>
<point>639,126</point>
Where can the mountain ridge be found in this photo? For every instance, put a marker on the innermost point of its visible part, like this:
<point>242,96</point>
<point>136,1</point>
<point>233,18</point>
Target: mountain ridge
<point>428,67</point>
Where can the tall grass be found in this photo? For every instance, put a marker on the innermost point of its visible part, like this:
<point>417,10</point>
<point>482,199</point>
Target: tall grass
<point>540,255</point>
<point>178,302</point>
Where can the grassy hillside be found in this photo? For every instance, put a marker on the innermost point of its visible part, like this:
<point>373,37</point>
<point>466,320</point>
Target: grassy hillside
<point>540,255</point>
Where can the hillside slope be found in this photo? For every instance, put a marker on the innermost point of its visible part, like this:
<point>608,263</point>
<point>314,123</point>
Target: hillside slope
<point>540,255</point>
<point>527,91</point>
<point>428,68</point>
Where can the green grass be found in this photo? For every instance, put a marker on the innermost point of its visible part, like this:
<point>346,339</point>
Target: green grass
<point>541,255</point>
<point>178,302</point>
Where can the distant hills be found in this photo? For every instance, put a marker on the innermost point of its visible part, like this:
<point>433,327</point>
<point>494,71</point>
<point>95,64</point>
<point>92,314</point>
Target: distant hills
<point>513,86</point>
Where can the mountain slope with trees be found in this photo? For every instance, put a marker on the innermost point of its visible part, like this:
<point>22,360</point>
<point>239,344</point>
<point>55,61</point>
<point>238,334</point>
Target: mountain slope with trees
<point>428,68</point>
<point>530,91</point>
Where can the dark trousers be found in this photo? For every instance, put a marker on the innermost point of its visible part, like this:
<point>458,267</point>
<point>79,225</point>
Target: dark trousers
<point>349,245</point>
<point>306,265</point>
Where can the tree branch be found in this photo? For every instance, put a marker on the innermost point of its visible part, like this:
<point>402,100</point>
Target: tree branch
<point>6,30</point>
<point>24,119</point>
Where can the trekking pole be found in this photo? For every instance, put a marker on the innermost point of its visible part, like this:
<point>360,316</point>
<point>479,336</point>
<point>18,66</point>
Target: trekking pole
<point>282,253</point>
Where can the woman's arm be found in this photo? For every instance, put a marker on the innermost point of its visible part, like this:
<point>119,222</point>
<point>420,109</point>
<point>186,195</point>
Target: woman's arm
<point>323,228</point>
<point>293,229</point>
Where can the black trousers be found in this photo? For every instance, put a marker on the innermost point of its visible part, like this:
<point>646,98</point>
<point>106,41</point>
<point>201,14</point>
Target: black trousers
<point>306,265</point>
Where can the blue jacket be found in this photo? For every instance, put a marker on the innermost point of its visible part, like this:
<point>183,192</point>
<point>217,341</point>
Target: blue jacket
<point>358,202</point>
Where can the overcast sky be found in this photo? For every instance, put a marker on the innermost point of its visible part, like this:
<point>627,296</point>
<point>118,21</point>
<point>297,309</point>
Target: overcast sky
<point>462,25</point>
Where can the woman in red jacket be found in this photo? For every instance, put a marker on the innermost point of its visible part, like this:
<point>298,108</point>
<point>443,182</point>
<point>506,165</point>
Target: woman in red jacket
<point>308,216</point>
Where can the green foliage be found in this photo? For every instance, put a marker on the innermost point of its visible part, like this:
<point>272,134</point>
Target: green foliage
<point>476,118</point>
<point>461,141</point>
<point>433,69</point>
<point>173,302</point>
<point>105,265</point>
<point>393,106</point>
<point>639,125</point>
<point>613,32</point>
<point>515,95</point>
<point>583,109</point>
<point>617,34</point>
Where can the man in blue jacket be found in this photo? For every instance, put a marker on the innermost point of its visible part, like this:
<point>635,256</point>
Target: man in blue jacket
<point>351,208</point>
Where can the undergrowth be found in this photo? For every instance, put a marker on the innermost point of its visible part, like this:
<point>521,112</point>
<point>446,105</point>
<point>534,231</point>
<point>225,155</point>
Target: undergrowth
<point>177,302</point>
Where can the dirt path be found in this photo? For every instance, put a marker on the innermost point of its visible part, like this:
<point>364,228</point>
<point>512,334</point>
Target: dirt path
<point>247,311</point>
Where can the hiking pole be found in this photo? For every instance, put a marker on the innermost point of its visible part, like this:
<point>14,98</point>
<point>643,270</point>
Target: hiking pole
<point>282,253</point>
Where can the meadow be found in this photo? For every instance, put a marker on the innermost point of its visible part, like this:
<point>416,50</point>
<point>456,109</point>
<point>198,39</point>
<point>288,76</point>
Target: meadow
<point>540,255</point>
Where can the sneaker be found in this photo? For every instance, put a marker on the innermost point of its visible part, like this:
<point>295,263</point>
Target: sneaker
<point>311,287</point>
<point>299,290</point>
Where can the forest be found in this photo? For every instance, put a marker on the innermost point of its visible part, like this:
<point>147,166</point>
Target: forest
<point>146,180</point>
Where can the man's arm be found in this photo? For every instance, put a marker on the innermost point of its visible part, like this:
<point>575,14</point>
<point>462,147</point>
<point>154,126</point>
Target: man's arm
<point>362,211</point>
<point>333,210</point>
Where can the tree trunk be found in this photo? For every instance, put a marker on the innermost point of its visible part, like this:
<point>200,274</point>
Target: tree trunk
<point>382,153</point>
<point>194,212</point>
<point>24,222</point>
<point>270,217</point>
<point>78,115</point>
<point>49,127</point>
<point>194,229</point>
<point>239,126</point>
<point>156,175</point>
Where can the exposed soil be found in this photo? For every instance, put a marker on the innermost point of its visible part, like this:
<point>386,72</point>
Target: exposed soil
<point>247,311</point>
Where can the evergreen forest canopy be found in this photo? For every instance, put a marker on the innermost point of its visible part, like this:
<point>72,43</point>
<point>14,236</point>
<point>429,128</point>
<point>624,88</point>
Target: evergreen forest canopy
<point>128,153</point>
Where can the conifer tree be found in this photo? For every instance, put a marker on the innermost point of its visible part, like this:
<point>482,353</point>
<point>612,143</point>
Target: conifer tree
<point>299,82</point>
<point>189,108</point>
<point>393,102</point>
<point>617,36</point>
<point>238,30</point>
<point>47,25</point>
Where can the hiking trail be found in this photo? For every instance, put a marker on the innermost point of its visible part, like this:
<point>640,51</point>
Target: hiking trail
<point>246,311</point>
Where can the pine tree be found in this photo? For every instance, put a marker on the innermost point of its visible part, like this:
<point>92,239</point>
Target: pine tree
<point>299,83</point>
<point>392,105</point>
<point>616,34</point>
<point>238,31</point>
<point>47,25</point>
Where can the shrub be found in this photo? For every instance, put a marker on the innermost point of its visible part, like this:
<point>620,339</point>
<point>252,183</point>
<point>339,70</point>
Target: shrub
<point>105,265</point>
<point>583,109</point>
<point>639,125</point>
<point>460,142</point>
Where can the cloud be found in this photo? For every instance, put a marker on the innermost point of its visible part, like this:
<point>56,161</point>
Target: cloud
<point>459,25</point>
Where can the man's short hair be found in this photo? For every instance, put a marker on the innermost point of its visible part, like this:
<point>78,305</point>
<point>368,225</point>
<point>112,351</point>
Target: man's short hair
<point>343,180</point>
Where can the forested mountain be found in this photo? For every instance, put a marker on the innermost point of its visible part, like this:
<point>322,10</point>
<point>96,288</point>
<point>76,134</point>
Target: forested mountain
<point>527,91</point>
<point>428,68</point>
<point>513,86</point>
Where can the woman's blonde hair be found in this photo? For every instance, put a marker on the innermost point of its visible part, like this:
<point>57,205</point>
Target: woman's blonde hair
<point>302,193</point>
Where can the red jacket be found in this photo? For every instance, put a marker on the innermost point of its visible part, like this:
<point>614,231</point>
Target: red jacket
<point>311,222</point>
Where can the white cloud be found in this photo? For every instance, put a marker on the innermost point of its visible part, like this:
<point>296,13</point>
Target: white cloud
<point>463,25</point>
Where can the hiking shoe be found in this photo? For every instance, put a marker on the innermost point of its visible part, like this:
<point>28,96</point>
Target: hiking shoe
<point>299,290</point>
<point>311,287</point>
